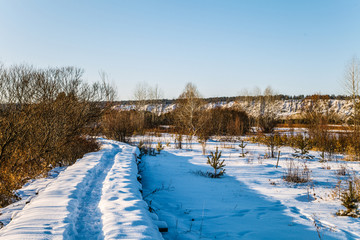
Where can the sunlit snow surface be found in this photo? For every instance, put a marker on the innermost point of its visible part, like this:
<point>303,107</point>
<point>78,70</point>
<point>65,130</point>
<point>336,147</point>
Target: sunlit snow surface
<point>96,198</point>
<point>250,202</point>
<point>99,197</point>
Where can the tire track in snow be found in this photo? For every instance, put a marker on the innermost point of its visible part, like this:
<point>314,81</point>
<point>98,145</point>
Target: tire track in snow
<point>88,224</point>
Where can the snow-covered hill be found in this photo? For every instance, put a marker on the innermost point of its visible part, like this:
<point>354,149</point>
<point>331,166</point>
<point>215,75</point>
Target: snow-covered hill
<point>282,108</point>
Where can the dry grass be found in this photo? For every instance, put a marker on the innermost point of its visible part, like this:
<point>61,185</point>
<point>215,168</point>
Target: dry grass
<point>296,173</point>
<point>343,170</point>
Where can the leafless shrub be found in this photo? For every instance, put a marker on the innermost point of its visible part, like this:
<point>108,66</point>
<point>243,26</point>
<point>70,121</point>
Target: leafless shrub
<point>325,166</point>
<point>45,115</point>
<point>273,183</point>
<point>342,171</point>
<point>119,125</point>
<point>336,191</point>
<point>250,159</point>
<point>295,173</point>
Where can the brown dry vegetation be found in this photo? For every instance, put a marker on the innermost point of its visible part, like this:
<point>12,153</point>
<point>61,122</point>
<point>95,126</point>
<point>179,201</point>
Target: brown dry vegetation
<point>45,118</point>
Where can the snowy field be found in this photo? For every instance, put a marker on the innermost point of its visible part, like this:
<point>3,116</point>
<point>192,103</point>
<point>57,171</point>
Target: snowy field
<point>99,197</point>
<point>252,201</point>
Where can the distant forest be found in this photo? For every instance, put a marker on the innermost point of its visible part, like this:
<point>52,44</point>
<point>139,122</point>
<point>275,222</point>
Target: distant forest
<point>239,98</point>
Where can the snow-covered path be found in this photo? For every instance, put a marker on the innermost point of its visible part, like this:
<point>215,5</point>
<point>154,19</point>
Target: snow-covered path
<point>84,201</point>
<point>88,222</point>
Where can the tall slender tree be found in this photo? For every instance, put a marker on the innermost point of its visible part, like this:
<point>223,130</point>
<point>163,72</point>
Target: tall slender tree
<point>351,83</point>
<point>188,111</point>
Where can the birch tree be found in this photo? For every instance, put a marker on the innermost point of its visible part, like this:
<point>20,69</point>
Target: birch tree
<point>351,83</point>
<point>188,111</point>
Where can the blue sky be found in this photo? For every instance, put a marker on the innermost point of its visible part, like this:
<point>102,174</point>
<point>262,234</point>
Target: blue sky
<point>296,47</point>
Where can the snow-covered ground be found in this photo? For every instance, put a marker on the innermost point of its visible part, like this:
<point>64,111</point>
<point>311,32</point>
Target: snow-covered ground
<point>252,201</point>
<point>96,198</point>
<point>99,197</point>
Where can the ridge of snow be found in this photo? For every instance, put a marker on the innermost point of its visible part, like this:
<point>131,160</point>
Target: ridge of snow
<point>124,213</point>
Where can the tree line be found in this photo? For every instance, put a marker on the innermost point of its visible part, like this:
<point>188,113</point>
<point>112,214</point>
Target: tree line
<point>192,119</point>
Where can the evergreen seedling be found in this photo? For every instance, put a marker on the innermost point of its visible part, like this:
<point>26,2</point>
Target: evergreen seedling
<point>215,162</point>
<point>242,146</point>
<point>349,200</point>
<point>302,146</point>
<point>159,147</point>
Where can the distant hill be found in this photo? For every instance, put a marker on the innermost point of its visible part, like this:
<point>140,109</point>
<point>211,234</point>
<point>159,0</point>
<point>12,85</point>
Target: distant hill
<point>283,106</point>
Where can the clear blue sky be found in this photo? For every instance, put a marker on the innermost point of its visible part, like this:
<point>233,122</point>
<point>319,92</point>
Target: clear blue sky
<point>297,47</point>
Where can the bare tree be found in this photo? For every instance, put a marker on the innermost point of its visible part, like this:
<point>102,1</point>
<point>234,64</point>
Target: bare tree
<point>256,91</point>
<point>205,129</point>
<point>108,90</point>
<point>267,119</point>
<point>155,94</point>
<point>141,94</point>
<point>316,112</point>
<point>351,84</point>
<point>188,111</point>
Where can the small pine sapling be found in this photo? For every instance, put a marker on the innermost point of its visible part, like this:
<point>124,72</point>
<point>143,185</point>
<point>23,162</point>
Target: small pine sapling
<point>273,142</point>
<point>215,162</point>
<point>178,141</point>
<point>349,200</point>
<point>242,146</point>
<point>322,157</point>
<point>302,145</point>
<point>159,147</point>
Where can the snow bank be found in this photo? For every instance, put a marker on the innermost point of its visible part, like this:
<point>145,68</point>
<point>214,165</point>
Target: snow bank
<point>124,213</point>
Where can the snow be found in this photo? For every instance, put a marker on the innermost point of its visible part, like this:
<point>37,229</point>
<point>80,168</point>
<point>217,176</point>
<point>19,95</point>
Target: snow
<point>124,214</point>
<point>27,193</point>
<point>84,201</point>
<point>251,201</point>
<point>99,197</point>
